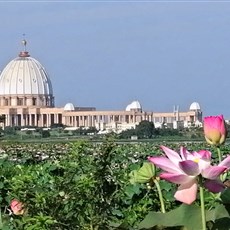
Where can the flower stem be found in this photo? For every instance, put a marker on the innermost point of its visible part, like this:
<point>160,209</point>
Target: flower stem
<point>219,154</point>
<point>160,195</point>
<point>1,224</point>
<point>220,159</point>
<point>202,208</point>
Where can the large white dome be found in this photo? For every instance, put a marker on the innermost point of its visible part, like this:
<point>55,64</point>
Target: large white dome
<point>25,75</point>
<point>25,82</point>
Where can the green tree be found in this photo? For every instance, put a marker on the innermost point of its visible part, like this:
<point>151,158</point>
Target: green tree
<point>145,129</point>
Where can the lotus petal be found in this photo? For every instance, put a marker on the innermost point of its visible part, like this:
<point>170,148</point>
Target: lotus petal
<point>165,164</point>
<point>186,193</point>
<point>190,167</point>
<point>214,186</point>
<point>212,172</point>
<point>172,155</point>
<point>203,164</point>
<point>226,162</point>
<point>176,178</point>
<point>184,153</point>
<point>205,154</point>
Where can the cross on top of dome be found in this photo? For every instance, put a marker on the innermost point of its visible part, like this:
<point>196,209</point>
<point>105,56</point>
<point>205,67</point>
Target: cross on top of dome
<point>24,53</point>
<point>24,42</point>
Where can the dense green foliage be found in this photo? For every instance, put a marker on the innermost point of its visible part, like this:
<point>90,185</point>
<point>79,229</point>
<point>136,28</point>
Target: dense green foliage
<point>145,130</point>
<point>82,185</point>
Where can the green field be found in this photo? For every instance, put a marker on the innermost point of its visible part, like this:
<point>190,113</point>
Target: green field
<point>87,185</point>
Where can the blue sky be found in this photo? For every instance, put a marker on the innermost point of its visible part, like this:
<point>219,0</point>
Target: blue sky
<point>108,53</point>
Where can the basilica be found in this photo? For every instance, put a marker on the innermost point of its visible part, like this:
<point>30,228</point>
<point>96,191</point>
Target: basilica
<point>26,99</point>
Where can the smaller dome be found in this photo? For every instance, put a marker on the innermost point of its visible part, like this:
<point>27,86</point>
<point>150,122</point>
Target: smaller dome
<point>194,106</point>
<point>135,105</point>
<point>69,107</point>
<point>128,107</point>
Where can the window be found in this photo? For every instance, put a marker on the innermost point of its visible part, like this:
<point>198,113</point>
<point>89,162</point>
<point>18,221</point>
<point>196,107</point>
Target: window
<point>34,101</point>
<point>20,101</point>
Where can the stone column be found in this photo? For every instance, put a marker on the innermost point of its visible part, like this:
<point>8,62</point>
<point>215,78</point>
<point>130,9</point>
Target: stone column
<point>47,120</point>
<point>22,120</point>
<point>30,119</point>
<point>35,119</point>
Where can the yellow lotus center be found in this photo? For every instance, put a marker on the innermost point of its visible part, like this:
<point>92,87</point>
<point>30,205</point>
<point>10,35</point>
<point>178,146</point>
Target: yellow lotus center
<point>196,160</point>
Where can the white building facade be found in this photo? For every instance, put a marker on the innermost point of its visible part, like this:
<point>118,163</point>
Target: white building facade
<point>26,99</point>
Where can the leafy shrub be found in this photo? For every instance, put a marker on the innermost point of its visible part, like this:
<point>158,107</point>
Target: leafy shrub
<point>45,133</point>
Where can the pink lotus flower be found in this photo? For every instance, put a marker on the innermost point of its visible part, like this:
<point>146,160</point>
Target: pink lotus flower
<point>17,207</point>
<point>186,168</point>
<point>215,130</point>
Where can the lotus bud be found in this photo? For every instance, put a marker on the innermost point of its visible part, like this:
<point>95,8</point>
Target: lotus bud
<point>215,130</point>
<point>17,207</point>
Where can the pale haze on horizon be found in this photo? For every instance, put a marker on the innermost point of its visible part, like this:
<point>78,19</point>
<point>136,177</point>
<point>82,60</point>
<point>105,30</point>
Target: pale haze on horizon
<point>107,54</point>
